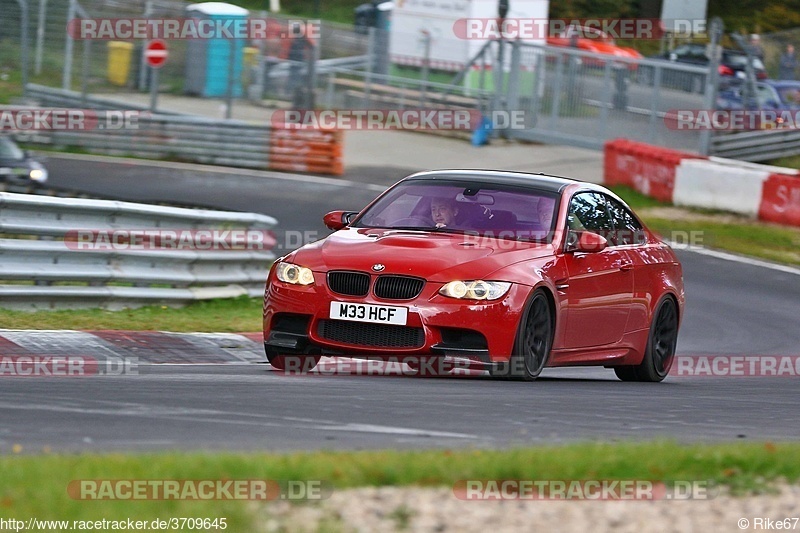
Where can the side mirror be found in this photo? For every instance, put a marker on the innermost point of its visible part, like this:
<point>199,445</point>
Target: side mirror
<point>337,220</point>
<point>586,242</point>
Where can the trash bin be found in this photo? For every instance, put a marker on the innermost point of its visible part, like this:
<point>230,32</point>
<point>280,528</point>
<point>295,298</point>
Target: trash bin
<point>250,63</point>
<point>119,62</point>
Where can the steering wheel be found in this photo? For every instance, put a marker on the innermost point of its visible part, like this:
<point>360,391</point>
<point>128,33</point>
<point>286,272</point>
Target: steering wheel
<point>412,221</point>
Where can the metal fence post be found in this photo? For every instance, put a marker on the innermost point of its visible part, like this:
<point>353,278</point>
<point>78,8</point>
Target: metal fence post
<point>607,90</point>
<point>426,66</point>
<point>370,63</point>
<point>231,72</point>
<point>313,57</point>
<point>148,11</point>
<point>717,28</point>
<point>513,76</point>
<point>538,85</point>
<point>651,134</point>
<point>66,80</point>
<point>23,4</point>
<point>40,35</point>
<point>556,97</point>
<point>87,56</point>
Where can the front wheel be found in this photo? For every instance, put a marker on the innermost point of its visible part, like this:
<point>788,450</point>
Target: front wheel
<point>533,342</point>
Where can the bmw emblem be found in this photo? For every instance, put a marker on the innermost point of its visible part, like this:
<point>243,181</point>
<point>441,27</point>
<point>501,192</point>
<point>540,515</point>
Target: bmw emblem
<point>378,267</point>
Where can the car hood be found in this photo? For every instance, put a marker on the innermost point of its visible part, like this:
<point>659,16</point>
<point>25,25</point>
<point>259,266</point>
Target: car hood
<point>429,255</point>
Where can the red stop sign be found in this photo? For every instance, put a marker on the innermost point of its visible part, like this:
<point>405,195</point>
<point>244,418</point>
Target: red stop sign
<point>156,53</point>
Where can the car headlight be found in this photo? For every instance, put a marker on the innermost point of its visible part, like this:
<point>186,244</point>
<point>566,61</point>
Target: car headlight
<point>295,274</point>
<point>38,173</point>
<point>475,290</point>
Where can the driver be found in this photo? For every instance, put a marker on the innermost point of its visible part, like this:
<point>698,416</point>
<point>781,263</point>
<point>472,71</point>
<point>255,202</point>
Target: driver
<point>444,211</point>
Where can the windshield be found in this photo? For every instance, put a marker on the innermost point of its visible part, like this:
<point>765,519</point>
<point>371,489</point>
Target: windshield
<point>9,150</point>
<point>740,61</point>
<point>790,95</point>
<point>465,207</point>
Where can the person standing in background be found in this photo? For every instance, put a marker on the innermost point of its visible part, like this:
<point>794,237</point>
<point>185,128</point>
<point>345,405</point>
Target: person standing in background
<point>787,68</point>
<point>755,46</point>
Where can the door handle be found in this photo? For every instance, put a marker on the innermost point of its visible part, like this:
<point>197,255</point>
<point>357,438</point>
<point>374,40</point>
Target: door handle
<point>625,267</point>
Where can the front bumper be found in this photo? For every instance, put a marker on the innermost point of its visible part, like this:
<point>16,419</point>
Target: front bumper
<point>297,321</point>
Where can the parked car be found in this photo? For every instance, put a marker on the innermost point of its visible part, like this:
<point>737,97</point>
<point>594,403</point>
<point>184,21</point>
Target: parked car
<point>595,41</point>
<point>506,271</point>
<point>733,64</point>
<point>18,167</point>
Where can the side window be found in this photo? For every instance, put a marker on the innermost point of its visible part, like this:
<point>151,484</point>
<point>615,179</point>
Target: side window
<point>587,212</point>
<point>627,229</point>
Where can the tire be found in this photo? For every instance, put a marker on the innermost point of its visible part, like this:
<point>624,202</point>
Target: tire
<point>626,373</point>
<point>292,363</point>
<point>660,351</point>
<point>533,343</point>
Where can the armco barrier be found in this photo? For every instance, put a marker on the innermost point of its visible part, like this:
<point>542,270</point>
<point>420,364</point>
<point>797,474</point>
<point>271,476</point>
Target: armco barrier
<point>45,261</point>
<point>767,192</point>
<point>648,169</point>
<point>194,138</point>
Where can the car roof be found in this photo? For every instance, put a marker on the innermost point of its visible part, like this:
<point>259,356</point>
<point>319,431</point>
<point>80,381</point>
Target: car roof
<point>539,181</point>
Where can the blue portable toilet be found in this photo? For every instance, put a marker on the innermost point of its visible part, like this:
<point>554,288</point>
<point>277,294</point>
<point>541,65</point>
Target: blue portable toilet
<point>208,60</point>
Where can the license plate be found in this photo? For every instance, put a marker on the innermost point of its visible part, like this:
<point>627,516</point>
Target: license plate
<point>377,314</point>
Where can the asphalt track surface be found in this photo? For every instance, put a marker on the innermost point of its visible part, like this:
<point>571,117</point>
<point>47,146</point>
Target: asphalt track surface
<point>733,308</point>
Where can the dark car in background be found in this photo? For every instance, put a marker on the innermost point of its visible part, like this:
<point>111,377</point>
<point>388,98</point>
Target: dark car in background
<point>733,64</point>
<point>17,167</point>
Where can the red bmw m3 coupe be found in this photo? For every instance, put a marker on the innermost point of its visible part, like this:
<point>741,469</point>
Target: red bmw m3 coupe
<point>503,271</point>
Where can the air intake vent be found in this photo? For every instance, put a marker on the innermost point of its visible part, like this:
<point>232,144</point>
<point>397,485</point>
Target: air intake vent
<point>349,283</point>
<point>372,335</point>
<point>398,287</point>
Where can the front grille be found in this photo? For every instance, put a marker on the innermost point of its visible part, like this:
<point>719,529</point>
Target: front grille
<point>373,335</point>
<point>349,283</point>
<point>398,287</point>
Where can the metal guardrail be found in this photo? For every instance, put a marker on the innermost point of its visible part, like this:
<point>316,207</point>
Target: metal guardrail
<point>42,266</point>
<point>757,145</point>
<point>189,138</point>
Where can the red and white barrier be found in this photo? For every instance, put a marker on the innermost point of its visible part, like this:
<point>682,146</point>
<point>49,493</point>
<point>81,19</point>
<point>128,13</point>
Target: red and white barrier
<point>767,192</point>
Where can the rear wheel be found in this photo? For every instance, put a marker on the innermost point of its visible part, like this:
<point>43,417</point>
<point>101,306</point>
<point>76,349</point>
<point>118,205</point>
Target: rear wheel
<point>533,342</point>
<point>660,352</point>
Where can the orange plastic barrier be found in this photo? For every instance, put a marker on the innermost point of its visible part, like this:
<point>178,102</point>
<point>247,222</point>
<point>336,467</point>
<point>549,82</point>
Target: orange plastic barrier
<point>315,151</point>
<point>648,169</point>
<point>780,200</point>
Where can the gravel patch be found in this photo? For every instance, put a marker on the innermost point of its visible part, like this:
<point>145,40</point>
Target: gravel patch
<point>410,509</point>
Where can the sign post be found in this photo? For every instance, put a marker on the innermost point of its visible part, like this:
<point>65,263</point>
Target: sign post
<point>156,55</point>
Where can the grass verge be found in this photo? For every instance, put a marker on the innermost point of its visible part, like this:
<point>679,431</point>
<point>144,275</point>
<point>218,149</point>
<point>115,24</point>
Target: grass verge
<point>233,315</point>
<point>714,229</point>
<point>37,485</point>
